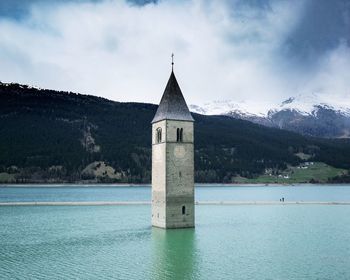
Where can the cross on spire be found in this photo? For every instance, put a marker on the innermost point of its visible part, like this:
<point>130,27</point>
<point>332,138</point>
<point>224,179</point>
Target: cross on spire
<point>172,62</point>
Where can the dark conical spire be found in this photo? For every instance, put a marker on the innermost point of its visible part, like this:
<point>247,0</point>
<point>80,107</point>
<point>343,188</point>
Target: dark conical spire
<point>172,105</point>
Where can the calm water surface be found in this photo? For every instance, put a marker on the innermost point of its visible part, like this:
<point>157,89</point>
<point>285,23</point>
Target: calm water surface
<point>143,193</point>
<point>229,242</point>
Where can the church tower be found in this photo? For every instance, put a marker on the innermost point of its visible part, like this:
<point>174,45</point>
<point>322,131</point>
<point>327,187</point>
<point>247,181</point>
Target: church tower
<point>172,161</point>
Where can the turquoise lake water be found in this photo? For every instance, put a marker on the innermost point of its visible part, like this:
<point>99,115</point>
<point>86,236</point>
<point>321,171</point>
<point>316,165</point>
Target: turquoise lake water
<point>203,193</point>
<point>229,242</point>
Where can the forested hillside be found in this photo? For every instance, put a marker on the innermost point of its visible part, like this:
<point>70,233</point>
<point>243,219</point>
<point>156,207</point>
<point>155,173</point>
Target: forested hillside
<point>49,136</point>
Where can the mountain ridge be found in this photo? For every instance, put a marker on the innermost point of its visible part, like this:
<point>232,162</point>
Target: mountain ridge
<point>298,114</point>
<point>52,136</point>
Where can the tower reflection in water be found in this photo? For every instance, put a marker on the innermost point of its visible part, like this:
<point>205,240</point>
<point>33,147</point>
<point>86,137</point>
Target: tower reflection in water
<point>174,254</point>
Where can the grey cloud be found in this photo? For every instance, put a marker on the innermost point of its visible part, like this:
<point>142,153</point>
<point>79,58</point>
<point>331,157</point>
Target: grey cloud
<point>239,50</point>
<point>17,9</point>
<point>324,25</point>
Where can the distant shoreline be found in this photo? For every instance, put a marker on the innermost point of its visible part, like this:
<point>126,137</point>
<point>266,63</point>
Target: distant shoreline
<point>68,185</point>
<point>120,203</point>
<point>117,185</point>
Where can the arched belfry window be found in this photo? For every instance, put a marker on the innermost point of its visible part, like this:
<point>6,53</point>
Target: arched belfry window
<point>159,135</point>
<point>179,134</point>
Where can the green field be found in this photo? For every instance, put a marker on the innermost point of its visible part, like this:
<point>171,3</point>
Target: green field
<point>313,172</point>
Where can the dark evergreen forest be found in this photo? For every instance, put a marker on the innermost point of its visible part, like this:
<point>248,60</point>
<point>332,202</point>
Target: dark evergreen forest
<point>52,136</point>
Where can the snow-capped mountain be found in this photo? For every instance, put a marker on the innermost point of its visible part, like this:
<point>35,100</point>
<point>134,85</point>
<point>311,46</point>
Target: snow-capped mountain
<point>302,113</point>
<point>309,104</point>
<point>224,107</point>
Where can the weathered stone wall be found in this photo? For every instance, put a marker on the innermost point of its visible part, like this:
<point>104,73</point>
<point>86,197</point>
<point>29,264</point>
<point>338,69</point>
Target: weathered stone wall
<point>158,175</point>
<point>173,176</point>
<point>180,175</point>
<point>171,127</point>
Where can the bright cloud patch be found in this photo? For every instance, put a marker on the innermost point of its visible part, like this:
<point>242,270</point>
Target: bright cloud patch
<point>122,51</point>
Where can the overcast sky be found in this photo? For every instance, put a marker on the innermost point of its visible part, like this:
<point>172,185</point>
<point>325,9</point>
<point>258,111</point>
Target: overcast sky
<point>255,51</point>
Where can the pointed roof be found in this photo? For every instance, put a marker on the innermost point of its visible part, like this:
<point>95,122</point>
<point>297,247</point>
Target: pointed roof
<point>172,106</point>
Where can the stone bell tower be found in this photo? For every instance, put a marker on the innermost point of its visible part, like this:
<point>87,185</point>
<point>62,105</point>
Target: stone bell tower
<point>172,161</point>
